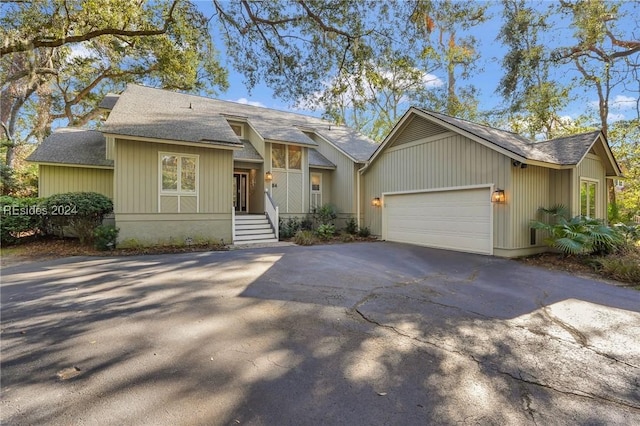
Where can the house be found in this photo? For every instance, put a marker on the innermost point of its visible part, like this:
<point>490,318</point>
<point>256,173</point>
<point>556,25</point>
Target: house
<point>182,167</point>
<point>453,184</point>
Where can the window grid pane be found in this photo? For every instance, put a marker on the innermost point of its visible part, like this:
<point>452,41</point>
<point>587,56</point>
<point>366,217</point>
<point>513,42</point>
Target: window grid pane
<point>295,157</point>
<point>169,173</point>
<point>592,200</point>
<point>278,156</point>
<point>188,174</point>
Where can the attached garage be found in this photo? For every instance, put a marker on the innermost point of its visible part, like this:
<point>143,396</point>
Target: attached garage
<point>449,218</point>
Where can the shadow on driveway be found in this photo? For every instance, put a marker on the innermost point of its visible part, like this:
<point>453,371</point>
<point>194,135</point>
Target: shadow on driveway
<point>363,333</point>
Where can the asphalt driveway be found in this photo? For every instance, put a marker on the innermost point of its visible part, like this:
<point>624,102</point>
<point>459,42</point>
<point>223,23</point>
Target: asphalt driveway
<point>362,333</point>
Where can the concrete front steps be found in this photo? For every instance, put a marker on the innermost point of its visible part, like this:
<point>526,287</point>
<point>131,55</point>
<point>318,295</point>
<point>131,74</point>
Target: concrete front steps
<point>253,229</point>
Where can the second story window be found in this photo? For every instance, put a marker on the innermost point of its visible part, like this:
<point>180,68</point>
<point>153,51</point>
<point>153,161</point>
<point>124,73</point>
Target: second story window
<point>286,157</point>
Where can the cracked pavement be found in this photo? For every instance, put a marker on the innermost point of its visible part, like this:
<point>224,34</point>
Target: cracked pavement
<point>362,333</point>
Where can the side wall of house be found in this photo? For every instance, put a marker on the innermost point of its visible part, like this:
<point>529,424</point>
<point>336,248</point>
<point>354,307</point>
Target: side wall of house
<point>145,217</point>
<point>441,159</point>
<point>591,168</point>
<point>61,179</point>
<point>529,191</point>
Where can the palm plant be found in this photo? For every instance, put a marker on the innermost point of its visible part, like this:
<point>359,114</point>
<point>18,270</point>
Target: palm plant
<point>576,235</point>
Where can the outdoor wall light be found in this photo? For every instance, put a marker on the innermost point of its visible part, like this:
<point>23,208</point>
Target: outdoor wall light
<point>498,196</point>
<point>268,177</point>
<point>376,202</point>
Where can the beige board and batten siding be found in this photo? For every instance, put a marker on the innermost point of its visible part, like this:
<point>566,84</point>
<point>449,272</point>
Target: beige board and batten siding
<point>591,168</point>
<point>60,179</point>
<point>342,186</point>
<point>530,190</point>
<point>560,187</point>
<point>440,160</point>
<point>138,214</point>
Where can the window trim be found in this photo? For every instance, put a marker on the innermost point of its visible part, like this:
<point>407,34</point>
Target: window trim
<point>178,192</point>
<point>595,182</point>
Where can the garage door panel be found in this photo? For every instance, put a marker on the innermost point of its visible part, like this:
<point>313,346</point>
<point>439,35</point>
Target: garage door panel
<point>455,220</point>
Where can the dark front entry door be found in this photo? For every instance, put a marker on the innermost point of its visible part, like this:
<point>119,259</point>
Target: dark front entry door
<point>240,192</point>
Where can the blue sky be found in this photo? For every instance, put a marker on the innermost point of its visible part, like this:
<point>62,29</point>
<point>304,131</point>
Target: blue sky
<point>486,78</point>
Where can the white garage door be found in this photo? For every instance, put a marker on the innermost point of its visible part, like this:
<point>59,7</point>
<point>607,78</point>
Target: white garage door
<point>457,219</point>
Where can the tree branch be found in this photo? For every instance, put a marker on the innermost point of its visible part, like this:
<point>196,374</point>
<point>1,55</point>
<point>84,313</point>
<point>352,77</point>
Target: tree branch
<point>22,46</point>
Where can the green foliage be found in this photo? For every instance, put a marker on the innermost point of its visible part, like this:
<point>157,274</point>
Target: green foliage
<point>82,212</point>
<point>326,231</point>
<point>306,224</point>
<point>624,138</point>
<point>304,238</point>
<point>105,237</point>
<point>622,268</point>
<point>577,235</point>
<point>325,214</point>
<point>364,232</point>
<point>18,216</point>
<point>352,226</point>
<point>629,235</point>
<point>288,227</point>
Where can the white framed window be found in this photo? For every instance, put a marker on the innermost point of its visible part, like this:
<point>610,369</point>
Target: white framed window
<point>589,197</point>
<point>178,177</point>
<point>286,157</point>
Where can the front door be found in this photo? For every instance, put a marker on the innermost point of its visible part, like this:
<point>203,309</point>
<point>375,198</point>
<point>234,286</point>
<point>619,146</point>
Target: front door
<point>240,186</point>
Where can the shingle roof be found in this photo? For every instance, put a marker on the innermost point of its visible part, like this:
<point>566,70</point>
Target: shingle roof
<point>160,114</point>
<point>248,152</point>
<point>146,112</point>
<point>109,101</point>
<point>568,150</point>
<point>318,160</point>
<point>72,146</point>
<point>563,151</point>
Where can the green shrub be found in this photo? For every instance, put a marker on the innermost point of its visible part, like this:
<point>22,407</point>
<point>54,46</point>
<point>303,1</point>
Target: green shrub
<point>324,215</point>
<point>304,238</point>
<point>628,234</point>
<point>105,237</point>
<point>624,269</point>
<point>364,232</point>
<point>18,216</point>
<point>288,227</point>
<point>326,231</point>
<point>82,212</point>
<point>352,226</point>
<point>306,224</point>
<point>577,235</point>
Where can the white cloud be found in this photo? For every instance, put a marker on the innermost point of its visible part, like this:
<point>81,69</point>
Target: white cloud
<point>621,102</point>
<point>431,80</point>
<point>615,117</point>
<point>246,101</point>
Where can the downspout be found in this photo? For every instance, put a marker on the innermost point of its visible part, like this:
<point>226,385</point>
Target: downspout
<point>359,173</point>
